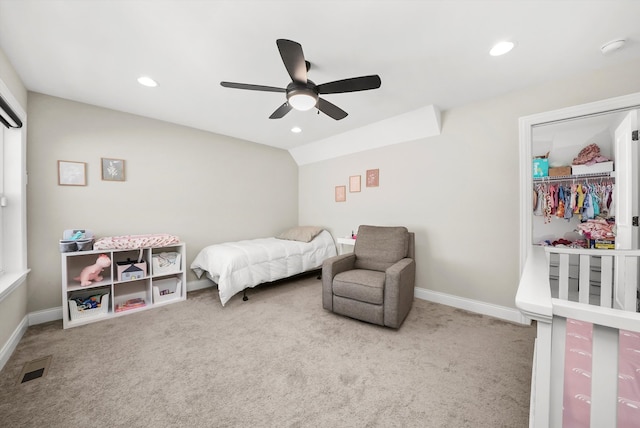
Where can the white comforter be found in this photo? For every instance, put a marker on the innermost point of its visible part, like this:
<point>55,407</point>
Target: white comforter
<point>235,266</point>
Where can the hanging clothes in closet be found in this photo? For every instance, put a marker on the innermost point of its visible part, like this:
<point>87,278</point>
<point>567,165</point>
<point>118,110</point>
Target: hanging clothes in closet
<point>585,198</point>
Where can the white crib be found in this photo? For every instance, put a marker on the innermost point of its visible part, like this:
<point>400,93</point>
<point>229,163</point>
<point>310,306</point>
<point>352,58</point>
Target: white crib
<point>591,287</point>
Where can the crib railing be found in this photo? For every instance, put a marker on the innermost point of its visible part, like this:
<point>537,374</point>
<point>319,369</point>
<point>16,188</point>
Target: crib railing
<point>608,301</point>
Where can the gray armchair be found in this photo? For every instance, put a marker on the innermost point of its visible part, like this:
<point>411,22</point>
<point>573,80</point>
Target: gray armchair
<point>375,283</point>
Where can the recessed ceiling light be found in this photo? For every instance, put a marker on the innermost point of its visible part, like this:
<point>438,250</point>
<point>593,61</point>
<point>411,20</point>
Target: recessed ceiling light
<point>501,48</point>
<point>296,130</point>
<point>611,46</point>
<point>147,81</point>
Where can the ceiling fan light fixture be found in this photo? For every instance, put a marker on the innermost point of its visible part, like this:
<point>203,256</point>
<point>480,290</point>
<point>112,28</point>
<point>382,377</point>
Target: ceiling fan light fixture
<point>302,99</point>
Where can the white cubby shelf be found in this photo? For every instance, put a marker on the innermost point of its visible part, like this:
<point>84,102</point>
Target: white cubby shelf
<point>120,296</point>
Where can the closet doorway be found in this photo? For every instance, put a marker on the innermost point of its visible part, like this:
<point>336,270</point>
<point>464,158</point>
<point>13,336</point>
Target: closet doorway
<point>562,134</point>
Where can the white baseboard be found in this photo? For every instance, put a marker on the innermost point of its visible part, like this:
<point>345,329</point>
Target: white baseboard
<point>502,312</point>
<point>45,315</point>
<point>199,284</point>
<point>10,345</point>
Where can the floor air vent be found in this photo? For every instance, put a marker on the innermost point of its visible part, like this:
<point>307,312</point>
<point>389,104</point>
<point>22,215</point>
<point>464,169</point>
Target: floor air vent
<point>35,369</point>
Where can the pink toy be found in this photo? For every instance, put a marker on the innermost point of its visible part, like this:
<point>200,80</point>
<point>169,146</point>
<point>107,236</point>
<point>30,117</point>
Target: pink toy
<point>92,273</point>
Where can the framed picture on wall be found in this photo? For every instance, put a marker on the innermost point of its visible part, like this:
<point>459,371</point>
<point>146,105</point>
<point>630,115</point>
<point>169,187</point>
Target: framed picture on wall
<point>341,193</point>
<point>72,173</point>
<point>354,183</point>
<point>112,169</point>
<point>373,177</point>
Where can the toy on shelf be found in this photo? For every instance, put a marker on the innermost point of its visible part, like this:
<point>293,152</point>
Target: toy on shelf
<point>92,273</point>
<point>138,302</point>
<point>91,302</point>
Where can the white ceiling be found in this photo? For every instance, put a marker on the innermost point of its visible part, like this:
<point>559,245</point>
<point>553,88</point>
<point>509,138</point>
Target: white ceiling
<point>426,52</point>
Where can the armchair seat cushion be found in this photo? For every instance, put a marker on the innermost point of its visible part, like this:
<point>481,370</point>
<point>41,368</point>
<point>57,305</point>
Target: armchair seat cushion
<point>361,285</point>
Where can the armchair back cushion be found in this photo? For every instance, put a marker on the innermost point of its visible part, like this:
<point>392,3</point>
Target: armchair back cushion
<point>378,248</point>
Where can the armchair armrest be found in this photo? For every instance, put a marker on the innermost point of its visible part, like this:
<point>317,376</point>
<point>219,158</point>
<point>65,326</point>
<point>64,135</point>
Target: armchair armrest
<point>398,291</point>
<point>330,268</point>
<point>401,267</point>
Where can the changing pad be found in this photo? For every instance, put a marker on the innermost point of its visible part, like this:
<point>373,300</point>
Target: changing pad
<point>127,242</point>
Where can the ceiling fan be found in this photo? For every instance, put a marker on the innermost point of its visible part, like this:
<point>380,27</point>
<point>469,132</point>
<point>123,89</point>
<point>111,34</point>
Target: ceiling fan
<point>302,94</point>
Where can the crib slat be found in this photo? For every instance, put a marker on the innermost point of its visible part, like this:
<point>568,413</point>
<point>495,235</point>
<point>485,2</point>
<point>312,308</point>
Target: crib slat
<point>606,277</point>
<point>563,277</point>
<point>629,302</point>
<point>556,393</point>
<point>619,281</point>
<point>541,386</point>
<point>585,271</point>
<point>604,377</point>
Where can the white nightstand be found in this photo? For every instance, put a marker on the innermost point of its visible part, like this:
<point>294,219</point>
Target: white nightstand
<point>342,242</point>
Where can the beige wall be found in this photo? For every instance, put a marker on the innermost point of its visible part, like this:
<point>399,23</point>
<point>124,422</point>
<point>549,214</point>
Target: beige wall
<point>203,187</point>
<point>457,191</point>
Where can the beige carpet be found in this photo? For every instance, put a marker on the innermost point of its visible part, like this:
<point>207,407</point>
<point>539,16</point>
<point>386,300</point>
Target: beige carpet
<point>278,360</point>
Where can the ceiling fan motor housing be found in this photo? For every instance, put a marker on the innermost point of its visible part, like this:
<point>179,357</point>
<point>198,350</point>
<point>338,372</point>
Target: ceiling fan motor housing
<point>302,96</point>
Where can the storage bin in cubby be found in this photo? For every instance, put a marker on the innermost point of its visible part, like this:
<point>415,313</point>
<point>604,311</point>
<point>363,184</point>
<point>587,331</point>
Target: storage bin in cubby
<point>173,285</point>
<point>165,263</point>
<point>77,314</point>
<point>131,270</point>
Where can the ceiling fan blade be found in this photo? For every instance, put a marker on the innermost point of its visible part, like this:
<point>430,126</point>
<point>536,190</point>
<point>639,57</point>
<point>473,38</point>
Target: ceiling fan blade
<point>293,59</point>
<point>330,109</point>
<point>354,84</point>
<point>281,111</point>
<point>252,87</point>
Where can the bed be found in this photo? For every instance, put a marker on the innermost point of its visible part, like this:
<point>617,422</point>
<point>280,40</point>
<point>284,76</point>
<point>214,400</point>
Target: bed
<point>236,266</point>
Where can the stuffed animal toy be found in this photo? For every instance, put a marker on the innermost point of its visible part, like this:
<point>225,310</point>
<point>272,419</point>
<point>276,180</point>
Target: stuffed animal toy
<point>92,273</point>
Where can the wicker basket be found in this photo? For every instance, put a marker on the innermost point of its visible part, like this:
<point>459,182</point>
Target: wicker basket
<point>77,314</point>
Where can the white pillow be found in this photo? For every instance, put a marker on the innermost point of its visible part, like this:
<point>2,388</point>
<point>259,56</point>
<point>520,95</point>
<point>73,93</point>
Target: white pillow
<point>301,233</point>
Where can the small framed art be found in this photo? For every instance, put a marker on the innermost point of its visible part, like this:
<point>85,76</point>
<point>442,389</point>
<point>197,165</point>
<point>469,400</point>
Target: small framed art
<point>373,177</point>
<point>354,183</point>
<point>72,173</point>
<point>112,169</point>
<point>341,193</point>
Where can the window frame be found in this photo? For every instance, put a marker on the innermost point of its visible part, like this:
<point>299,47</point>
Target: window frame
<point>13,218</point>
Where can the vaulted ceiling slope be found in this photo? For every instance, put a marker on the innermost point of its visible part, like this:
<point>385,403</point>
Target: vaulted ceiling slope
<point>425,52</point>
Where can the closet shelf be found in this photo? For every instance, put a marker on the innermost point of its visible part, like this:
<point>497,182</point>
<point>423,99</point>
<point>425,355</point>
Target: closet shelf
<point>574,177</point>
